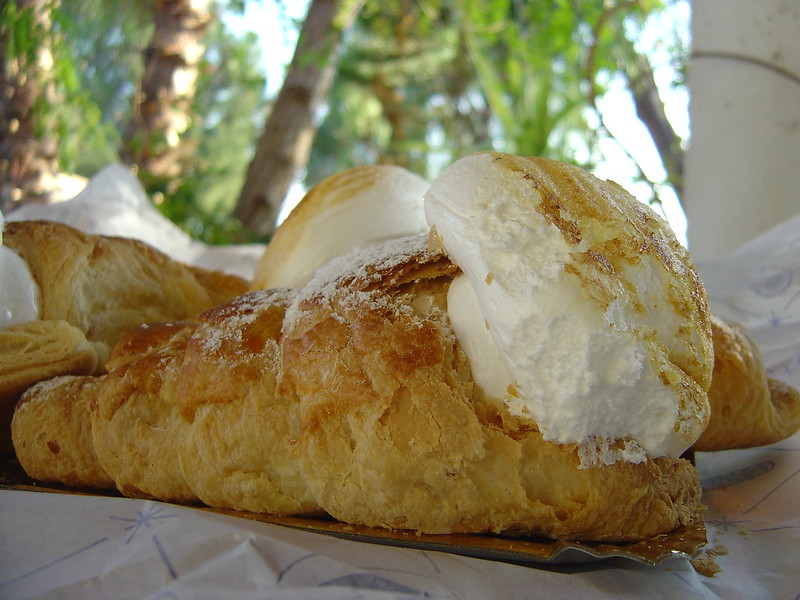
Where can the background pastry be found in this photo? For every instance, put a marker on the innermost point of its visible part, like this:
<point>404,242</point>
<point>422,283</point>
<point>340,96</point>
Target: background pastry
<point>107,286</point>
<point>36,351</point>
<point>89,291</point>
<point>354,208</point>
<point>748,408</point>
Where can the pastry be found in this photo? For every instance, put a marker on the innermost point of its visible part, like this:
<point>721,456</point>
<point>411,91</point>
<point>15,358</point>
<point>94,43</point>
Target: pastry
<point>187,411</point>
<point>36,351</point>
<point>136,426</point>
<point>748,408</point>
<point>51,428</point>
<point>52,433</point>
<point>240,448</point>
<point>357,207</point>
<point>535,364</point>
<point>540,370</point>
<point>396,433</point>
<point>106,286</point>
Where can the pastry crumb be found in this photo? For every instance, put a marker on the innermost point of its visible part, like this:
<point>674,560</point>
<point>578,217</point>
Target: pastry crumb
<point>705,565</point>
<point>718,550</point>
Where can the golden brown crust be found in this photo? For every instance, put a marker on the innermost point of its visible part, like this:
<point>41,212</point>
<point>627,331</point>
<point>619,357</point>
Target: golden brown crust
<point>52,432</point>
<point>240,450</point>
<point>136,426</point>
<point>394,433</point>
<point>236,448</point>
<point>143,340</point>
<point>747,407</point>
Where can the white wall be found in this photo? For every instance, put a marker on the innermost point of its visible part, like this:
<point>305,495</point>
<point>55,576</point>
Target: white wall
<point>743,163</point>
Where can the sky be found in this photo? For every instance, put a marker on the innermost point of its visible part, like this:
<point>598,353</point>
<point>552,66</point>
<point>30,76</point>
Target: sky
<point>620,116</point>
<point>268,19</point>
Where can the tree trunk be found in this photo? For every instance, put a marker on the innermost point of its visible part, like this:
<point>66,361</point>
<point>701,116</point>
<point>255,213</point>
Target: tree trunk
<point>161,106</point>
<point>285,143</point>
<point>28,163</point>
<point>650,110</point>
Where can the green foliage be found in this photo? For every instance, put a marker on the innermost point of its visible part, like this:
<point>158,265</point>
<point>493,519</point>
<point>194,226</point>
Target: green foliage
<point>101,44</point>
<point>420,83</point>
<point>97,53</point>
<point>507,75</point>
<point>64,109</point>
<point>403,93</point>
<point>534,61</point>
<point>21,32</point>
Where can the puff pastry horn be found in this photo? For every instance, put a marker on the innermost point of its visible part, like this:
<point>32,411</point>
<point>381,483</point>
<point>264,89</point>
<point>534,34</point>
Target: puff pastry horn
<point>748,408</point>
<point>395,433</point>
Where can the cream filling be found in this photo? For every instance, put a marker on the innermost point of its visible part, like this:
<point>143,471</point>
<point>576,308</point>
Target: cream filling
<point>19,293</point>
<point>488,369</point>
<point>586,373</point>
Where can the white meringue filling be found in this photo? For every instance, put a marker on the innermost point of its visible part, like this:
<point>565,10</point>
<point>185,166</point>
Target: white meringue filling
<point>19,293</point>
<point>586,372</point>
<point>488,369</point>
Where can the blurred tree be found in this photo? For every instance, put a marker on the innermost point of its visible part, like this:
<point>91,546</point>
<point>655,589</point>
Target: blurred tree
<point>28,162</point>
<point>289,132</point>
<point>98,50</point>
<point>228,114</point>
<point>104,43</point>
<point>527,56</point>
<point>405,94</point>
<point>161,105</point>
<point>611,47</point>
<point>419,83</point>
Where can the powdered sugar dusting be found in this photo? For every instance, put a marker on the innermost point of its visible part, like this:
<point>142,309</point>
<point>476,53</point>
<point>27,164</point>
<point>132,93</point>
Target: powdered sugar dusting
<point>226,326</point>
<point>358,269</point>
